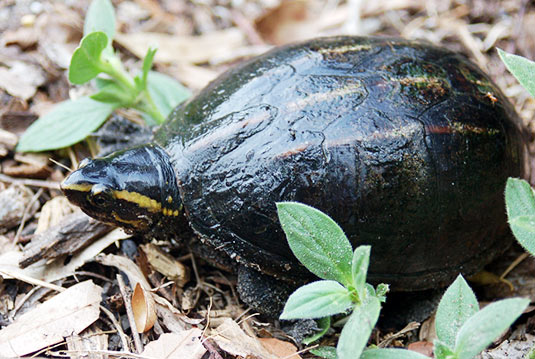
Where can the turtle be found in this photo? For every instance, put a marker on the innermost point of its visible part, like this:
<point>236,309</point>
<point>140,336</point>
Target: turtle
<point>406,145</point>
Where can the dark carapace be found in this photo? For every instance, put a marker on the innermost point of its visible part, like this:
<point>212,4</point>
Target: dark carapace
<point>406,145</point>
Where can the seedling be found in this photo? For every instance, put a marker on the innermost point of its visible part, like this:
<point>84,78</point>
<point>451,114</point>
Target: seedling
<point>153,94</point>
<point>463,330</point>
<point>321,245</point>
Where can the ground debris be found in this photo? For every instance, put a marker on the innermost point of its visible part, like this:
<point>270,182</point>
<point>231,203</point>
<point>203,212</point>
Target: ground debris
<point>68,312</point>
<point>76,231</point>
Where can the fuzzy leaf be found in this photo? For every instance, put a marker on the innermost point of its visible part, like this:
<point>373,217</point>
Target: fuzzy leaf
<point>85,62</point>
<point>521,68</point>
<point>486,325</point>
<point>66,124</point>
<point>520,204</point>
<point>316,300</point>
<point>325,352</point>
<point>443,351</point>
<point>456,306</point>
<point>359,268</point>
<point>100,17</point>
<point>358,329</point>
<point>317,241</point>
<point>113,93</point>
<point>147,65</point>
<point>391,353</point>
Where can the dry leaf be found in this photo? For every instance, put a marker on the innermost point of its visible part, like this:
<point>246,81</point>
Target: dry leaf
<point>124,264</point>
<point>9,260</point>
<point>280,348</point>
<point>185,345</point>
<point>143,309</point>
<point>68,312</point>
<point>425,348</point>
<point>180,49</point>
<point>166,264</point>
<point>233,340</point>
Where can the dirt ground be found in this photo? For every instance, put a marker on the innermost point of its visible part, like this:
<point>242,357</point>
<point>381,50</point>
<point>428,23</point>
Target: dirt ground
<point>197,40</point>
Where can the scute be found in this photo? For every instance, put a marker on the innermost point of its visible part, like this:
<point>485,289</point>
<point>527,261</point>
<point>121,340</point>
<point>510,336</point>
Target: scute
<point>398,141</point>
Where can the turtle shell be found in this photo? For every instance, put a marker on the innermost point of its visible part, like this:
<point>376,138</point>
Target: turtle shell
<point>406,145</point>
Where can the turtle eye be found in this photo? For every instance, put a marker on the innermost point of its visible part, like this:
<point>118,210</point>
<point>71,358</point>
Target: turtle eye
<point>100,196</point>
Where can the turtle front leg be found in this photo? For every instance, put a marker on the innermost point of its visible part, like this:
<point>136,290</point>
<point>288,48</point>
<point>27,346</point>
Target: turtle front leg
<point>263,293</point>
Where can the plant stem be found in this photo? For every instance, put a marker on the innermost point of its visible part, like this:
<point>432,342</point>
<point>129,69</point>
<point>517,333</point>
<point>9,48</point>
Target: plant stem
<point>147,105</point>
<point>113,67</point>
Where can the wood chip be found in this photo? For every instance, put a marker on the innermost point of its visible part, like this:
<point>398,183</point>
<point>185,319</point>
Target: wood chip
<point>13,203</point>
<point>74,232</point>
<point>166,264</point>
<point>21,80</point>
<point>28,165</point>
<point>52,212</point>
<point>69,312</point>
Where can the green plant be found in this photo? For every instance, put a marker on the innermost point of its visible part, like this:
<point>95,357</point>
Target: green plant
<point>463,330</point>
<point>521,68</point>
<point>519,197</point>
<point>520,205</point>
<point>321,245</point>
<point>151,93</point>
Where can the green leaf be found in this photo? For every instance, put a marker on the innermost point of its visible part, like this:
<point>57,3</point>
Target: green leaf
<point>456,306</point>
<point>147,64</point>
<point>114,93</point>
<point>443,351</point>
<point>323,324</point>
<point>316,300</point>
<point>66,124</point>
<point>166,92</point>
<point>101,82</point>
<point>358,329</point>
<point>359,268</point>
<point>85,62</point>
<point>391,353</point>
<point>325,352</point>
<point>520,204</point>
<point>381,291</point>
<point>317,241</point>
<point>486,325</point>
<point>521,68</point>
<point>100,17</point>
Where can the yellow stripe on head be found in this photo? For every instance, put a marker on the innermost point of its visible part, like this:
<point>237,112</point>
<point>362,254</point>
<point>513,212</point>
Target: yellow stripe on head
<point>142,201</point>
<point>80,187</point>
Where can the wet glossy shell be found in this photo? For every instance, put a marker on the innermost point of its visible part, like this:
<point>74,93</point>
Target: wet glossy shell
<point>406,145</point>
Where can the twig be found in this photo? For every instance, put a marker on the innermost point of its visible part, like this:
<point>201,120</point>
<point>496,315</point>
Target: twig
<point>27,279</point>
<point>30,182</point>
<point>214,353</point>
<point>130,314</point>
<point>117,326</point>
<point>25,214</point>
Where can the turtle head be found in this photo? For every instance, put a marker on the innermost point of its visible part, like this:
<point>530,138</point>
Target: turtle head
<point>135,189</point>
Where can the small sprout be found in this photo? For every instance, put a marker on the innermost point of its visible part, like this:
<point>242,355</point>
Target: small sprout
<point>154,95</point>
